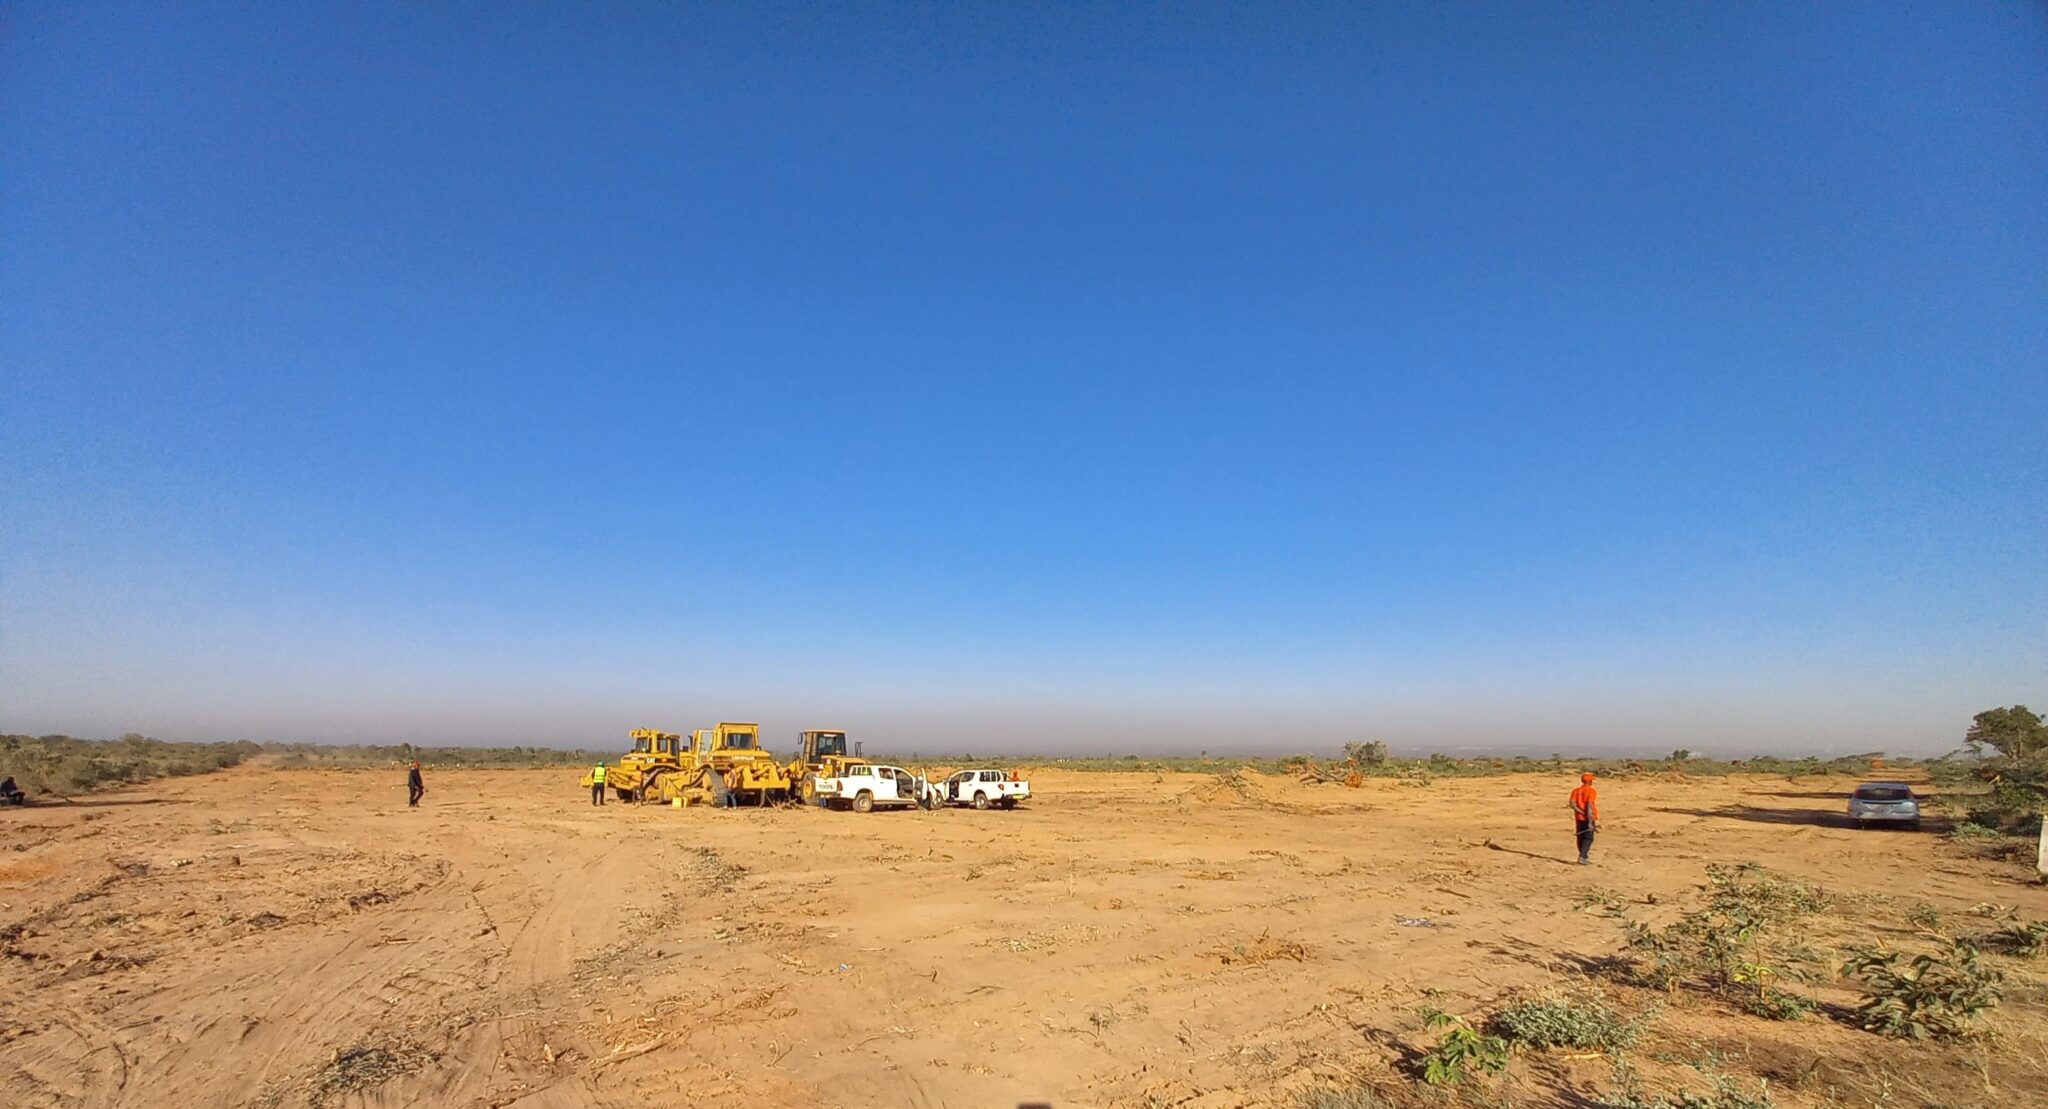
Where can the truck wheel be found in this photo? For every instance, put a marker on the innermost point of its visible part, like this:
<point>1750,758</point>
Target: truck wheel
<point>981,800</point>
<point>864,802</point>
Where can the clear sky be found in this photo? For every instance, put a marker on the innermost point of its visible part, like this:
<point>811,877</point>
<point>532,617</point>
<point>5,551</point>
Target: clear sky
<point>1028,377</point>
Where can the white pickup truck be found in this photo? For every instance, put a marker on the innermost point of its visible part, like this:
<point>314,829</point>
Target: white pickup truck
<point>863,787</point>
<point>982,788</point>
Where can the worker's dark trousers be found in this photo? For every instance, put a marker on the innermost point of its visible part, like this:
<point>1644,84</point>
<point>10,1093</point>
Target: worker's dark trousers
<point>597,794</point>
<point>413,795</point>
<point>1585,841</point>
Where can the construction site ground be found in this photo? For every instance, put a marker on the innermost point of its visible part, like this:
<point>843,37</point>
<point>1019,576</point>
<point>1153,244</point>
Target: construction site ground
<point>265,937</point>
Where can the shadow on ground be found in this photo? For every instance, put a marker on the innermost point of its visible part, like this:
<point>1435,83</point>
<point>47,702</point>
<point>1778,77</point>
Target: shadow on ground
<point>1492,846</point>
<point>101,802</point>
<point>1816,818</point>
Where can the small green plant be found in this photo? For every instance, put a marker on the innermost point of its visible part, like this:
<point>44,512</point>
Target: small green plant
<point>1588,1025</point>
<point>2026,939</point>
<point>1735,945</point>
<point>1931,996</point>
<point>1776,1004</point>
<point>1462,1050</point>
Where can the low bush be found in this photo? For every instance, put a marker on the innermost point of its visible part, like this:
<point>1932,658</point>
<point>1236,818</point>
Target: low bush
<point>1589,1025</point>
<point>313,755</point>
<point>1739,945</point>
<point>1460,1052</point>
<point>1726,1094</point>
<point>2026,939</point>
<point>62,765</point>
<point>1931,996</point>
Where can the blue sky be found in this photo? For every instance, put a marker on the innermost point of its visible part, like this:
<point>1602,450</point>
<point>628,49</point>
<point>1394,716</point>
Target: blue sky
<point>1100,378</point>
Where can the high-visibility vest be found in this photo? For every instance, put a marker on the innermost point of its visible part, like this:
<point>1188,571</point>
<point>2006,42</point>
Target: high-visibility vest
<point>597,776</point>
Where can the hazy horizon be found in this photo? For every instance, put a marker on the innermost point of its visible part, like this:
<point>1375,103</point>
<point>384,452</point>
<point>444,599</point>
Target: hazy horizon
<point>980,376</point>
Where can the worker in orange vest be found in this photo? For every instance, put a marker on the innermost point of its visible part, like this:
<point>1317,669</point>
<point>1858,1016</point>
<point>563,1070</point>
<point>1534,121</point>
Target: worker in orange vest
<point>1586,815</point>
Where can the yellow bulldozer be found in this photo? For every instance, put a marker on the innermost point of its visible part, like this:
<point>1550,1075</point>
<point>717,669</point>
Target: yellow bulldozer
<point>724,765</point>
<point>639,772</point>
<point>823,752</point>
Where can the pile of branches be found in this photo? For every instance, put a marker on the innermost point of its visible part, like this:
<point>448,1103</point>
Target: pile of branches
<point>1309,772</point>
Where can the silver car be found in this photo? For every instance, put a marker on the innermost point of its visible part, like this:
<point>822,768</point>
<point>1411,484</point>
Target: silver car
<point>1884,803</point>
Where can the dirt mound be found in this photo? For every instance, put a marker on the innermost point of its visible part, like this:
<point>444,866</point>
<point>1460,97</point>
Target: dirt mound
<point>1243,786</point>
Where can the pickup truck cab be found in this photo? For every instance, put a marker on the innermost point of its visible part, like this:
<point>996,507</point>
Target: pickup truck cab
<point>982,788</point>
<point>864,787</point>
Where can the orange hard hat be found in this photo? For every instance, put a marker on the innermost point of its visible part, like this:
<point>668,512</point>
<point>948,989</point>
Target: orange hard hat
<point>1586,777</point>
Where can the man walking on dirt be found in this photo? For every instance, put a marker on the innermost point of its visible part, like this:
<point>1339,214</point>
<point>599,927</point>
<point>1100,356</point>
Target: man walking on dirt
<point>597,784</point>
<point>1586,815</point>
<point>414,787</point>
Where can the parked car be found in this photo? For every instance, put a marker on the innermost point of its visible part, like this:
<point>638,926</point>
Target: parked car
<point>1884,803</point>
<point>863,787</point>
<point>982,788</point>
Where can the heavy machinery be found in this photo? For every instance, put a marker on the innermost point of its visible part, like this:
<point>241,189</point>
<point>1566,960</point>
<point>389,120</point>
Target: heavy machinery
<point>639,772</point>
<point>823,751</point>
<point>725,763</point>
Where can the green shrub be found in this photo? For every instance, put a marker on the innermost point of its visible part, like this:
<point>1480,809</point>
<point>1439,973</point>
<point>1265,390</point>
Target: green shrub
<point>322,756</point>
<point>1736,945</point>
<point>1776,1004</point>
<point>1460,1052</point>
<point>1932,996</point>
<point>1373,753</point>
<point>62,765</point>
<point>1560,1022</point>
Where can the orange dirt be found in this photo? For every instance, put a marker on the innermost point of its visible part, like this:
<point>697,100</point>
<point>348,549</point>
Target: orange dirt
<point>282,938</point>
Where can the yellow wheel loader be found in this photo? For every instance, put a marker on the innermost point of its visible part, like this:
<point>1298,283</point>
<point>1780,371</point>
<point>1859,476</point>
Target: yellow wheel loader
<point>639,772</point>
<point>727,766</point>
<point>824,751</point>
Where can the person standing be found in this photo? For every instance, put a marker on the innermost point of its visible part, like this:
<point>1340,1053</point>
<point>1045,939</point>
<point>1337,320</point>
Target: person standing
<point>597,784</point>
<point>415,787</point>
<point>1586,815</point>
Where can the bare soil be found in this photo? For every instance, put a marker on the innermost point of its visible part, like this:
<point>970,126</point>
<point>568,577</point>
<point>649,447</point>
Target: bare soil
<point>287,938</point>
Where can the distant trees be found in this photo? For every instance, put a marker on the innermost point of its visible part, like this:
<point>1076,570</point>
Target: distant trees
<point>1680,755</point>
<point>59,764</point>
<point>1373,753</point>
<point>2017,765</point>
<point>2016,733</point>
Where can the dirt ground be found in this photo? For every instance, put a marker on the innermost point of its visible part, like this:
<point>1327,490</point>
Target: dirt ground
<point>266,937</point>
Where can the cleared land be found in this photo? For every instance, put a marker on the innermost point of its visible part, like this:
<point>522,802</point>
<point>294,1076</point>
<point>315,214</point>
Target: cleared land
<point>289,937</point>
